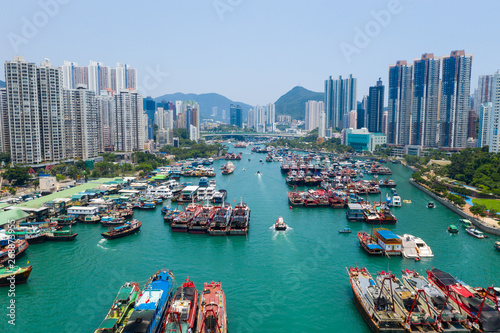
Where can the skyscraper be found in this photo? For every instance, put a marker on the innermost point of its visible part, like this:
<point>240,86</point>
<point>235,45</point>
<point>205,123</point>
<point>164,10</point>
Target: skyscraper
<point>106,115</point>
<point>126,77</point>
<point>74,75</point>
<point>313,110</point>
<point>4,122</point>
<point>484,124</point>
<point>399,103</point>
<point>484,91</point>
<point>81,123</point>
<point>425,106</point>
<point>340,99</point>
<point>236,115</point>
<point>99,77</point>
<point>129,121</point>
<point>455,92</point>
<point>375,107</point>
<point>270,114</point>
<point>322,125</point>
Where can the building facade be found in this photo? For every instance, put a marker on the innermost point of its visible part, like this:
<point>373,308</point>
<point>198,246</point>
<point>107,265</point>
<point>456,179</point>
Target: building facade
<point>399,103</point>
<point>375,108</point>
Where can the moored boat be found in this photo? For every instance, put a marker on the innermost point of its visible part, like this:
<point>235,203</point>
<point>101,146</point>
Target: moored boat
<point>240,219</point>
<point>112,221</point>
<point>181,314</point>
<point>212,316</point>
<point>476,233</point>
<point>497,245</point>
<point>31,234</point>
<point>182,222</point>
<point>345,231</point>
<point>91,219</point>
<point>150,308</point>
<point>14,275</point>
<point>375,307</point>
<point>369,244</point>
<point>64,234</point>
<point>219,225</point>
<point>280,224</point>
<point>127,229</point>
<point>13,250</point>
<point>121,309</point>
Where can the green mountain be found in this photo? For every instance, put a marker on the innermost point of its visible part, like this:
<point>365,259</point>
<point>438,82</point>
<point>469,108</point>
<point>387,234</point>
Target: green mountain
<point>2,84</point>
<point>293,103</point>
<point>207,102</point>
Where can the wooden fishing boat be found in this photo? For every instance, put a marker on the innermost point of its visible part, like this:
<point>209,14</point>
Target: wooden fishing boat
<point>128,228</point>
<point>375,307</point>
<point>212,316</point>
<point>452,229</point>
<point>61,235</point>
<point>13,250</point>
<point>112,221</point>
<point>369,244</point>
<point>91,219</point>
<point>32,234</point>
<point>121,309</point>
<point>280,224</point>
<point>181,314</point>
<point>14,275</point>
<point>65,220</point>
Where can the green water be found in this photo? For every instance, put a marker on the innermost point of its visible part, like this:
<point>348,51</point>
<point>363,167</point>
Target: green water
<point>293,281</point>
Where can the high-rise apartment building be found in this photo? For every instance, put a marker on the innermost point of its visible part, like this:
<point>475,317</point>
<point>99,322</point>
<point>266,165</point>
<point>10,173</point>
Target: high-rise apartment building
<point>126,77</point>
<point>484,91</point>
<point>455,93</point>
<point>484,124</point>
<point>399,103</point>
<point>106,117</point>
<point>340,99</point>
<point>236,115</point>
<point>375,108</point>
<point>82,130</point>
<point>129,121</point>
<point>74,75</point>
<point>4,122</point>
<point>313,110</point>
<point>425,104</point>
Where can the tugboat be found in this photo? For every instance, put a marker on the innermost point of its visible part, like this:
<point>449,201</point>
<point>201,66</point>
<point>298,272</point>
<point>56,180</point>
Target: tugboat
<point>20,274</point>
<point>127,229</point>
<point>182,311</point>
<point>150,308</point>
<point>280,224</point>
<point>212,310</point>
<point>431,204</point>
<point>121,309</point>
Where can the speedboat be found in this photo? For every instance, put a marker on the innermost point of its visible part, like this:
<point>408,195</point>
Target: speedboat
<point>430,204</point>
<point>474,232</point>
<point>497,245</point>
<point>280,224</point>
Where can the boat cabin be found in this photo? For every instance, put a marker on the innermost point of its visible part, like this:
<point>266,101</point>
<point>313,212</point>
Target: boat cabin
<point>79,210</point>
<point>189,193</point>
<point>355,212</point>
<point>389,241</point>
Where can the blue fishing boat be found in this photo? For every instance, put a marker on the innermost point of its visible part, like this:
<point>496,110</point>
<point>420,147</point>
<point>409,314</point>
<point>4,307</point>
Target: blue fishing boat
<point>150,308</point>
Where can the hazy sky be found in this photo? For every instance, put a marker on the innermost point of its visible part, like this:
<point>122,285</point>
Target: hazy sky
<point>249,50</point>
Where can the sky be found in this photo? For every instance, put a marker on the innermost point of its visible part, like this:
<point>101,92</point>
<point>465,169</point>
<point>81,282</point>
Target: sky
<point>251,51</point>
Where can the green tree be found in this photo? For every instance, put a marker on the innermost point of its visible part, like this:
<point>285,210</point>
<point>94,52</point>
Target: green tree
<point>18,175</point>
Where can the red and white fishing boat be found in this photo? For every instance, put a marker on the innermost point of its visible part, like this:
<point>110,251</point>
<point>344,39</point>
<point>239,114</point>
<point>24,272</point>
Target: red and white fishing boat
<point>212,316</point>
<point>181,313</point>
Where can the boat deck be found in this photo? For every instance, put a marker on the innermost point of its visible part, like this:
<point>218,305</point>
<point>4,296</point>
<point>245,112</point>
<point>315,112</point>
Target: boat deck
<point>408,248</point>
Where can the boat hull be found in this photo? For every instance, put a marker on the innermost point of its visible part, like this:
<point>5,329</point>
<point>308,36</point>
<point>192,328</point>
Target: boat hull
<point>120,235</point>
<point>35,240</point>
<point>61,238</point>
<point>238,232</point>
<point>20,278</point>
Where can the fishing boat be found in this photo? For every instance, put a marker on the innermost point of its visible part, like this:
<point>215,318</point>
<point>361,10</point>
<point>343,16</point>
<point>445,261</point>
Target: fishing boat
<point>65,220</point>
<point>452,229</point>
<point>240,219</point>
<point>181,313</point>
<point>212,316</point>
<point>345,231</point>
<point>280,224</point>
<point>182,222</point>
<point>448,314</point>
<point>375,307</point>
<point>128,228</point>
<point>369,244</point>
<point>121,309</point>
<point>220,222</point>
<point>476,233</point>
<point>418,318</point>
<point>91,219</point>
<point>483,313</point>
<point>65,234</point>
<point>228,168</point>
<point>14,275</point>
<point>430,204</point>
<point>18,247</point>
<point>32,234</point>
<point>149,310</point>
<point>201,222</point>
<point>112,221</point>
<point>170,215</point>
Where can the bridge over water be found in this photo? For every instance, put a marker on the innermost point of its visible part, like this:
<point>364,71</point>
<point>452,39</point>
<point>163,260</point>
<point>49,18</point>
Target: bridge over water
<point>246,135</point>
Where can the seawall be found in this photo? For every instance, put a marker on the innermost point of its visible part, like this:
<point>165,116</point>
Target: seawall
<point>476,222</point>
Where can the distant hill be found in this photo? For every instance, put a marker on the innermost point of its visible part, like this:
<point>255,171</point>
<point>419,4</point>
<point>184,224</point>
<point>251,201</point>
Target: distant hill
<point>2,84</point>
<point>293,103</point>
<point>207,102</point>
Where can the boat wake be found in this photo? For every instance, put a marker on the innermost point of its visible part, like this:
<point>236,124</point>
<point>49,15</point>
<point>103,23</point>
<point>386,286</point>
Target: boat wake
<point>102,241</point>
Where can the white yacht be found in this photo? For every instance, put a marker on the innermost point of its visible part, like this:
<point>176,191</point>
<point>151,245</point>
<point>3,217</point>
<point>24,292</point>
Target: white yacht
<point>209,193</point>
<point>202,192</point>
<point>159,191</point>
<point>414,247</point>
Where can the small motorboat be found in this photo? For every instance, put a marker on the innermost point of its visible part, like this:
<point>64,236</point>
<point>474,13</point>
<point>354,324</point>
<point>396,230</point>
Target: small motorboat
<point>476,233</point>
<point>280,224</point>
<point>452,229</point>
<point>407,201</point>
<point>345,231</point>
<point>497,245</point>
<point>431,204</point>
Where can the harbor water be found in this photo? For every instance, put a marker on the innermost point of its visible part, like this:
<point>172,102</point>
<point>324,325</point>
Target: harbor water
<point>275,281</point>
